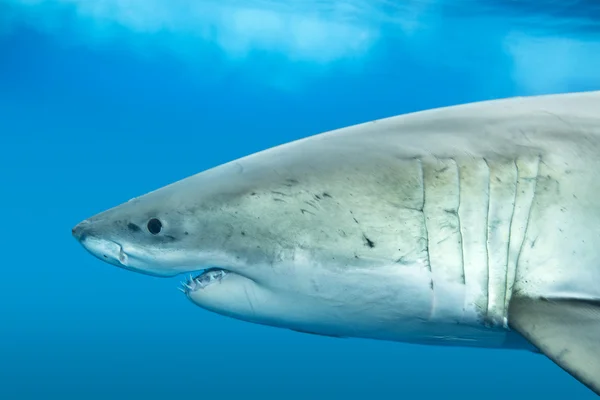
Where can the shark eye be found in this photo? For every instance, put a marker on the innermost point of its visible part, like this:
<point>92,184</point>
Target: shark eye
<point>154,226</point>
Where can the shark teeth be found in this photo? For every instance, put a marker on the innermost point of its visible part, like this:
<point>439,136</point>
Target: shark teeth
<point>201,281</point>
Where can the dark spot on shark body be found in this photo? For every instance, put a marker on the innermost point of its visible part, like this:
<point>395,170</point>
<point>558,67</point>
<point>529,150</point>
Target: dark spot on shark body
<point>291,182</point>
<point>133,227</point>
<point>368,242</point>
<point>311,204</point>
<point>402,260</point>
<point>532,245</point>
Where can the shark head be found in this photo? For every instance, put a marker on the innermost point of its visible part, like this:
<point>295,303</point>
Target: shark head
<point>152,238</point>
<point>318,235</point>
<point>269,239</point>
<point>187,226</point>
<point>241,233</point>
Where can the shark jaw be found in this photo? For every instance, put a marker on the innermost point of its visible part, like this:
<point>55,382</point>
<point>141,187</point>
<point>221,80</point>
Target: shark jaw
<point>203,279</point>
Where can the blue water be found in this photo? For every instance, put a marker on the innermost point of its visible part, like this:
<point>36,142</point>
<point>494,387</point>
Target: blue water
<point>101,101</point>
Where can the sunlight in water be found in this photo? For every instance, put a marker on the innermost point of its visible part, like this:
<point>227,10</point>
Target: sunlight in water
<point>321,34</point>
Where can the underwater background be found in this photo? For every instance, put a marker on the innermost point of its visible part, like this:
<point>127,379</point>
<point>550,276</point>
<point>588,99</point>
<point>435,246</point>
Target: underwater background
<point>104,100</point>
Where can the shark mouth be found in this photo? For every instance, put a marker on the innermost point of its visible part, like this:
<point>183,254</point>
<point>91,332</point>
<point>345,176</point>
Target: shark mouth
<point>205,278</point>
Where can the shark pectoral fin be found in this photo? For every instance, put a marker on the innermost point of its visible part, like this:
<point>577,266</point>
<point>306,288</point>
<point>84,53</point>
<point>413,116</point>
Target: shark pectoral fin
<point>566,330</point>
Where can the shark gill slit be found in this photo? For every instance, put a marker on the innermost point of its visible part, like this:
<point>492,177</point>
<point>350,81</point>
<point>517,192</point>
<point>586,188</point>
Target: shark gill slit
<point>423,202</point>
<point>487,239</point>
<point>460,227</point>
<point>528,175</point>
<point>502,189</point>
<point>507,273</point>
<point>441,177</point>
<point>473,191</point>
<point>512,237</point>
<point>422,173</point>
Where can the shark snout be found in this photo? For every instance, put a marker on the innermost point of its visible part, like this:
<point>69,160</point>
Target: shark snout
<point>79,230</point>
<point>104,249</point>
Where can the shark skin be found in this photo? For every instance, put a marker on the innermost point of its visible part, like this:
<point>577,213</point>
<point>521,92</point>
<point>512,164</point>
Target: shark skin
<point>472,225</point>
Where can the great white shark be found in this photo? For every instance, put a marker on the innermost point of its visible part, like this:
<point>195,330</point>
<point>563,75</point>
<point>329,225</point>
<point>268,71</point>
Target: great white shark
<point>471,225</point>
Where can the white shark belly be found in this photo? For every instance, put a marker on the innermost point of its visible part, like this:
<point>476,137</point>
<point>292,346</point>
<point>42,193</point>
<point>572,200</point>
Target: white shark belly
<point>409,304</point>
